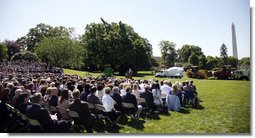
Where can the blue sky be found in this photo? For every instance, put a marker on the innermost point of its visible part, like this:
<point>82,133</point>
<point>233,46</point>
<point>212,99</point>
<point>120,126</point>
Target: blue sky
<point>205,23</point>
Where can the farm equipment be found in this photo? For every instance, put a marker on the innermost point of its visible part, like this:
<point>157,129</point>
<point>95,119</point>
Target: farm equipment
<point>196,72</point>
<point>224,73</point>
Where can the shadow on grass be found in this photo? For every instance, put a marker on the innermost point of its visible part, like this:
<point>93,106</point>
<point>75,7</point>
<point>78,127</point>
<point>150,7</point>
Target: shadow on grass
<point>184,111</point>
<point>137,124</point>
<point>153,116</point>
<point>102,127</point>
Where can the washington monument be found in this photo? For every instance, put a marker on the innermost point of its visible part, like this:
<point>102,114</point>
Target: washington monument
<point>234,41</point>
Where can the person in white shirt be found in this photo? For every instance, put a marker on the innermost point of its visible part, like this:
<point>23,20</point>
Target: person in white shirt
<point>141,85</point>
<point>108,104</point>
<point>165,90</point>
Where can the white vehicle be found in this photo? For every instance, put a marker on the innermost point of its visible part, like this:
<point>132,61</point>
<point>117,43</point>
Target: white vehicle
<point>173,72</point>
<point>242,74</point>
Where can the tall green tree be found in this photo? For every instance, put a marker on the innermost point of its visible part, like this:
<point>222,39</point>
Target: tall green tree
<point>224,53</point>
<point>232,61</point>
<point>41,31</point>
<point>168,53</point>
<point>186,50</point>
<point>193,59</point>
<point>202,62</point>
<point>211,62</point>
<point>117,45</point>
<point>61,52</point>
<point>245,61</point>
<point>3,52</point>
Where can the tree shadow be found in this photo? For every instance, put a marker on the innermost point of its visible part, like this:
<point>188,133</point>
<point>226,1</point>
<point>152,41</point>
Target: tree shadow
<point>102,126</point>
<point>200,107</point>
<point>184,111</point>
<point>153,116</point>
<point>137,124</point>
<point>165,113</point>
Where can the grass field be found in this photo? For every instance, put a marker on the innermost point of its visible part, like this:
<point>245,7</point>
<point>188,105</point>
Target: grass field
<point>226,110</point>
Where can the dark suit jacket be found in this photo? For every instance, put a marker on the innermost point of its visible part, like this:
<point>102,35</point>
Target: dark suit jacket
<point>83,111</point>
<point>117,98</point>
<point>42,115</point>
<point>84,95</point>
<point>148,96</point>
<point>93,99</point>
<point>130,98</point>
<point>22,108</point>
<point>53,101</point>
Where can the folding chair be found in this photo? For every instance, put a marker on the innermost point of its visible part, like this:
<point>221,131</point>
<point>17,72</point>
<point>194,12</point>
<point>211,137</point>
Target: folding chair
<point>143,103</point>
<point>50,108</point>
<point>77,124</point>
<point>34,125</point>
<point>64,113</point>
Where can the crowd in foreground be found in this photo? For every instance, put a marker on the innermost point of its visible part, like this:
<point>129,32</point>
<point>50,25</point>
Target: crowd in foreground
<point>34,89</point>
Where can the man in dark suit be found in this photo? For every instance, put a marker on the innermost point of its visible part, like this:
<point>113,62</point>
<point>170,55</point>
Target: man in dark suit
<point>37,112</point>
<point>129,98</point>
<point>148,96</point>
<point>53,101</point>
<point>117,98</point>
<point>92,98</point>
<point>83,111</point>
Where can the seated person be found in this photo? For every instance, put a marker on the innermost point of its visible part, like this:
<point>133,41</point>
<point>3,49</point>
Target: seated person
<point>22,102</point>
<point>53,101</point>
<point>92,98</point>
<point>37,112</point>
<point>83,111</point>
<point>172,100</point>
<point>85,92</point>
<point>117,98</point>
<point>108,104</point>
<point>130,98</point>
<point>148,96</point>
<point>63,103</point>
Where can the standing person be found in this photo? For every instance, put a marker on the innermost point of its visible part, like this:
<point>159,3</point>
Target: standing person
<point>108,104</point>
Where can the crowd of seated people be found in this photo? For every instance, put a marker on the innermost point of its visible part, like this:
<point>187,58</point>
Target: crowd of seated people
<point>32,92</point>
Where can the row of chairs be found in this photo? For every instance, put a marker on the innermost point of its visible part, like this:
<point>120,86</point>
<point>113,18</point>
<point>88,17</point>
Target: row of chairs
<point>20,122</point>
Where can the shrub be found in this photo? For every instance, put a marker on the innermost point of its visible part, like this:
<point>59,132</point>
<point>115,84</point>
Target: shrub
<point>25,55</point>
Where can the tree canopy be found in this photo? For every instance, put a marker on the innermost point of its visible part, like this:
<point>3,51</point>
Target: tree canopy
<point>41,31</point>
<point>186,50</point>
<point>168,53</point>
<point>61,52</point>
<point>224,53</point>
<point>117,45</point>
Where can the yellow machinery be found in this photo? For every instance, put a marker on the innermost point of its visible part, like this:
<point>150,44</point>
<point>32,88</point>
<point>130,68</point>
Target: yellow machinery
<point>196,72</point>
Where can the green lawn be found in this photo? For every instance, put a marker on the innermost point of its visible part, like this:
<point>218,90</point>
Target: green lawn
<point>226,110</point>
